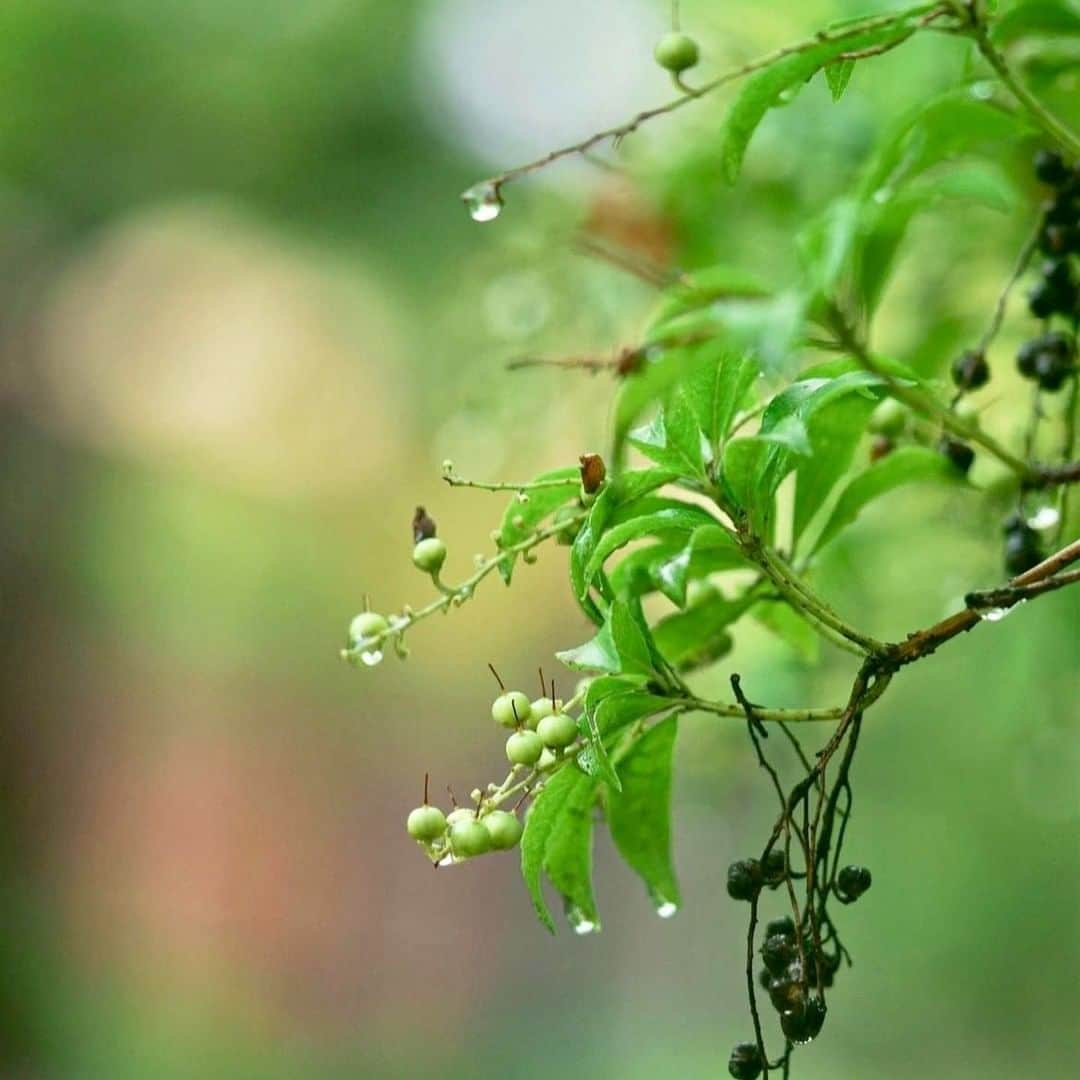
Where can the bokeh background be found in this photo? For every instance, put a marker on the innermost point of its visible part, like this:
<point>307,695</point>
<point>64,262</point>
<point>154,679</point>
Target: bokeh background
<point>243,319</point>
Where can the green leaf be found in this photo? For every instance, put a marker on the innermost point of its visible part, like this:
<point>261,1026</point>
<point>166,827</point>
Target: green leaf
<point>703,286</point>
<point>835,432</point>
<point>635,573</point>
<point>906,465</point>
<point>838,75</point>
<point>779,617</point>
<point>716,385</point>
<point>826,243</point>
<point>682,519</point>
<point>697,636</point>
<point>710,549</point>
<point>639,816</point>
<point>619,646</point>
<point>558,841</point>
<point>674,440</point>
<point>1039,18</point>
<point>764,89</point>
<point>643,389</point>
<point>521,519</point>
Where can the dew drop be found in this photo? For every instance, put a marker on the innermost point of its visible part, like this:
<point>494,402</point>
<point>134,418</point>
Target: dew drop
<point>666,908</point>
<point>579,922</point>
<point>993,614</point>
<point>882,195</point>
<point>372,657</point>
<point>982,90</point>
<point>1045,516</point>
<point>483,201</point>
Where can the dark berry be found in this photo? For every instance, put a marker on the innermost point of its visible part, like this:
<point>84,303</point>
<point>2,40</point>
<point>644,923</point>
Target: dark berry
<point>1047,299</point>
<point>801,1025</point>
<point>765,978</point>
<point>786,993</point>
<point>1057,272</point>
<point>784,926</point>
<point>970,370</point>
<point>1022,550</point>
<point>1062,210</point>
<point>777,952</point>
<point>959,453</point>
<point>852,882</point>
<point>745,1062</point>
<point>1057,240</point>
<point>774,867</point>
<point>1051,169</point>
<point>744,879</point>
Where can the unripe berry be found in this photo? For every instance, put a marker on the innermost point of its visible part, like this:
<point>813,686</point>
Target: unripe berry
<point>676,52</point>
<point>426,824</point>
<point>366,625</point>
<point>468,838</point>
<point>540,708</point>
<point>429,555</point>
<point>511,709</point>
<point>557,731</point>
<point>524,748</point>
<point>852,882</point>
<point>888,418</point>
<point>460,813</point>
<point>504,828</point>
<point>744,879</point>
<point>745,1062</point>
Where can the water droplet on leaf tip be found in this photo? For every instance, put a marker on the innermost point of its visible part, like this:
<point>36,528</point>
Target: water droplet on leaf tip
<point>580,923</point>
<point>483,201</point>
<point>666,908</point>
<point>372,657</point>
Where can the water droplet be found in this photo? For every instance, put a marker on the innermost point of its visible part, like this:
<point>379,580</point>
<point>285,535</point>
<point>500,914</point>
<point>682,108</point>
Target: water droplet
<point>579,922</point>
<point>447,860</point>
<point>666,908</point>
<point>983,90</point>
<point>992,614</point>
<point>882,195</point>
<point>1045,516</point>
<point>483,201</point>
<point>372,657</point>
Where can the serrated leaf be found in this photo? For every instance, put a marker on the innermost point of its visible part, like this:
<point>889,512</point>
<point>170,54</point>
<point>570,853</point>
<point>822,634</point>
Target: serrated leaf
<point>906,465</point>
<point>558,840</point>
<point>522,519</point>
<point>762,90</point>
<point>639,817</point>
<point>1038,18</point>
<point>837,76</point>
<point>674,439</point>
<point>681,519</point>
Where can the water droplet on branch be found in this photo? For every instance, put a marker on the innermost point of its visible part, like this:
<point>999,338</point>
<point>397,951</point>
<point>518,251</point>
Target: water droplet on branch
<point>483,201</point>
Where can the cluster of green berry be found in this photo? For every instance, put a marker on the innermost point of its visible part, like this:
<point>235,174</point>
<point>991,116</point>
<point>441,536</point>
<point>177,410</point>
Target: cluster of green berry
<point>796,966</point>
<point>542,733</point>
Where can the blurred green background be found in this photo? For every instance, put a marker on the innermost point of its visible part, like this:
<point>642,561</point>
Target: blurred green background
<point>244,318</point>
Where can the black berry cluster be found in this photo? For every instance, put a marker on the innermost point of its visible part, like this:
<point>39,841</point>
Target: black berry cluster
<point>1048,359</point>
<point>1022,548</point>
<point>1057,291</point>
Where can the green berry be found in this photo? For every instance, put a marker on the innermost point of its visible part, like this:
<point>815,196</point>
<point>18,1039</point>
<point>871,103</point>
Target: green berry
<point>524,748</point>
<point>429,555</point>
<point>426,823</point>
<point>469,837</point>
<point>460,813</point>
<point>889,418</point>
<point>504,828</point>
<point>542,707</point>
<point>676,52</point>
<point>511,709</point>
<point>367,625</point>
<point>557,731</point>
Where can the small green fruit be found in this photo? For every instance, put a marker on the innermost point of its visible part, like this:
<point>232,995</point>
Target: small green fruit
<point>468,838</point>
<point>426,824</point>
<point>547,760</point>
<point>367,625</point>
<point>540,708</point>
<point>511,709</point>
<point>889,418</point>
<point>429,555</point>
<point>504,828</point>
<point>524,748</point>
<point>676,52</point>
<point>557,731</point>
<point>460,813</point>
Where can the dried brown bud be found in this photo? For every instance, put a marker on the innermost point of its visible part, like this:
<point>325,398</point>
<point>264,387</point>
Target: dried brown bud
<point>423,526</point>
<point>593,472</point>
<point>629,361</point>
<point>881,446</point>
